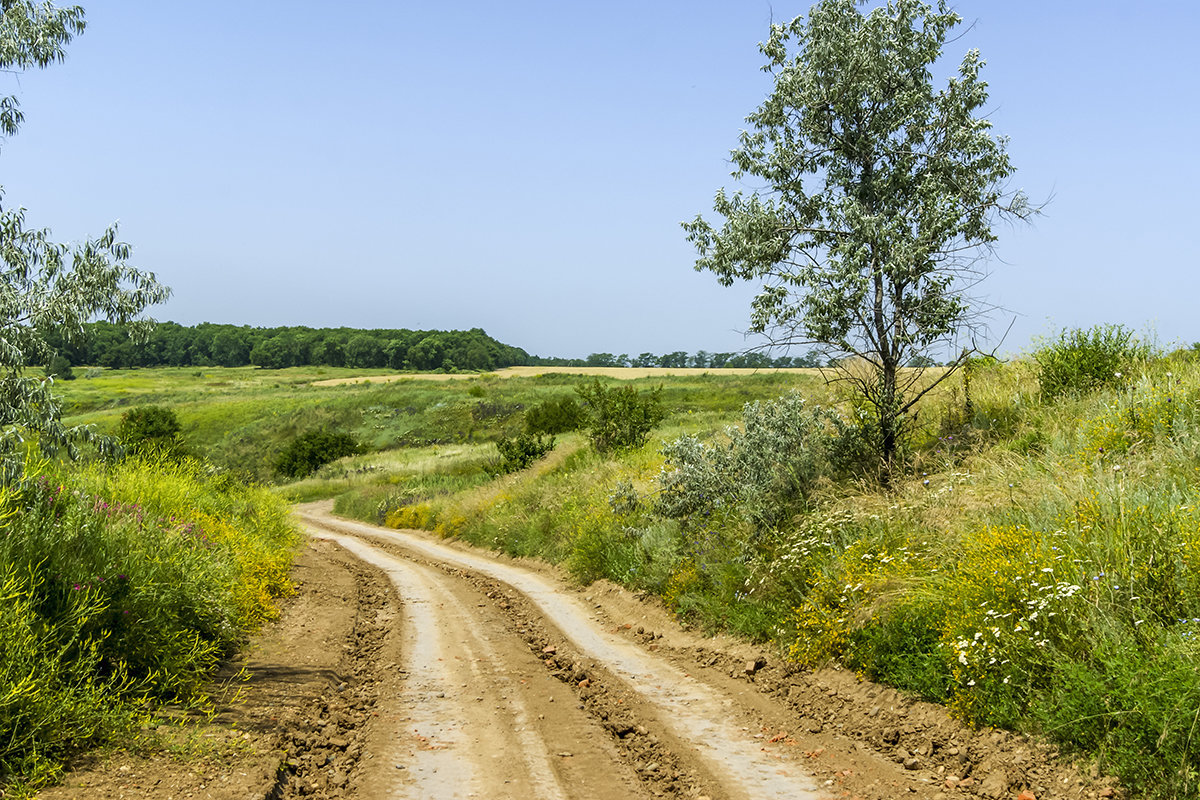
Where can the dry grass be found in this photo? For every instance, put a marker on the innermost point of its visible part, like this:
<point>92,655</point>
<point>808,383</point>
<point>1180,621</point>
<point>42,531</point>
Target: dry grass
<point>620,373</point>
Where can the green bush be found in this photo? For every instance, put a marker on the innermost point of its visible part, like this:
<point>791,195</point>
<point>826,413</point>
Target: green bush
<point>1080,361</point>
<point>519,452</point>
<point>150,428</point>
<point>620,418</point>
<point>555,416</point>
<point>60,368</point>
<point>764,473</point>
<point>310,451</point>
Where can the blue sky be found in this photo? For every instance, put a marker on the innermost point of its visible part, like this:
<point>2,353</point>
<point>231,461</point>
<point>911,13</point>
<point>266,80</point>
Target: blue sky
<point>523,167</point>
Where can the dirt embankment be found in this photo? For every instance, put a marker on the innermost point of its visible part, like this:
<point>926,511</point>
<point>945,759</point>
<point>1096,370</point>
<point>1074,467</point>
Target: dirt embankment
<point>407,667</point>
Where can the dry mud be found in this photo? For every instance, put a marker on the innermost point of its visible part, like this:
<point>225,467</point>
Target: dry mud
<point>410,667</point>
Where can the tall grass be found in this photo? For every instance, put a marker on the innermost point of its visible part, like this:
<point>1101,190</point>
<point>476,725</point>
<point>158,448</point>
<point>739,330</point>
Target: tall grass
<point>123,585</point>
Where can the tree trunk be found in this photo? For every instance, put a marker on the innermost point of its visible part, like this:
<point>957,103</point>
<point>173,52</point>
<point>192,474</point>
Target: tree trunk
<point>889,420</point>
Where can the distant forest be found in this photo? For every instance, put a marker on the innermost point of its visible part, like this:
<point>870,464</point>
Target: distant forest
<point>209,344</point>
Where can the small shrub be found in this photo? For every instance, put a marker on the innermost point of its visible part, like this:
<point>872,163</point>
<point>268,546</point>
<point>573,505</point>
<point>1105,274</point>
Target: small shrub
<point>1080,361</point>
<point>310,451</point>
<point>60,368</point>
<point>555,416</point>
<point>764,473</point>
<point>150,428</point>
<point>519,452</point>
<point>620,418</point>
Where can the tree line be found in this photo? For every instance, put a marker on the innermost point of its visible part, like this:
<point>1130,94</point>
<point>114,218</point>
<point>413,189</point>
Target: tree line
<point>212,345</point>
<point>208,344</point>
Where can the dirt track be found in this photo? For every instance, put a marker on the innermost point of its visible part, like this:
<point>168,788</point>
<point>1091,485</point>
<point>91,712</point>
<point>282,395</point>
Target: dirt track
<point>409,667</point>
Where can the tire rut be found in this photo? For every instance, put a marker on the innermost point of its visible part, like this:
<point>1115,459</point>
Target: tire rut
<point>680,734</point>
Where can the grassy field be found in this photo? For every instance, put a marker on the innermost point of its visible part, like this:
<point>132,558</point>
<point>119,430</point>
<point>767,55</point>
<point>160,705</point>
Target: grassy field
<point>1036,565</point>
<point>240,418</point>
<point>619,373</point>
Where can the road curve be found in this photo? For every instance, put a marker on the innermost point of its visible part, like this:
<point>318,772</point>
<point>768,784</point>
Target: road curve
<point>475,726</point>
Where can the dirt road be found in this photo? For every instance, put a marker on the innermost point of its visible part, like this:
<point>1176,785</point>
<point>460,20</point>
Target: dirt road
<point>514,685</point>
<point>411,667</point>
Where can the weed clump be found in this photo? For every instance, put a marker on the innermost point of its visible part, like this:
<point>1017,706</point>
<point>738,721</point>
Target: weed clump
<point>763,472</point>
<point>121,585</point>
<point>554,416</point>
<point>149,429</point>
<point>1080,361</point>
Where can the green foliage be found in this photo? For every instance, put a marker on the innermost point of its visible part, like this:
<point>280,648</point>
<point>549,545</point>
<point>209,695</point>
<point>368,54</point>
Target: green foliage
<point>1079,360</point>
<point>59,368</point>
<point>620,418</point>
<point>149,429</point>
<point>764,473</point>
<point>208,344</point>
<point>519,452</point>
<point>310,451</point>
<point>121,584</point>
<point>554,416</point>
<point>1134,701</point>
<point>879,192</point>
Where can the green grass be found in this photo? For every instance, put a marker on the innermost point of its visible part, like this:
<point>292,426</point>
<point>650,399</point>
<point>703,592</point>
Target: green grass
<point>120,587</point>
<point>240,418</point>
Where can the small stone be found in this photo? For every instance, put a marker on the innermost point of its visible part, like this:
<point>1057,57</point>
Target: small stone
<point>911,763</point>
<point>1107,791</point>
<point>1027,795</point>
<point>549,649</point>
<point>995,785</point>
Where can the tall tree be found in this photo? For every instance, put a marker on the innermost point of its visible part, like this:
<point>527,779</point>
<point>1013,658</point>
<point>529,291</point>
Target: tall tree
<point>880,196</point>
<point>46,286</point>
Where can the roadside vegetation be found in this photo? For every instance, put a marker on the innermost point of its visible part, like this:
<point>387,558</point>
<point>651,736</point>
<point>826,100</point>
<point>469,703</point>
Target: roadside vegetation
<point>122,587</point>
<point>1034,565</point>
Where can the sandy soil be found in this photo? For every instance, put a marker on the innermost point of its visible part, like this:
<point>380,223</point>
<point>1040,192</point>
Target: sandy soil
<point>412,667</point>
<point>623,373</point>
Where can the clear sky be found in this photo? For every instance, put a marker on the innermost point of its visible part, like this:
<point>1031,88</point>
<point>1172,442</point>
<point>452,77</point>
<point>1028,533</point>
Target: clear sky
<point>523,166</point>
